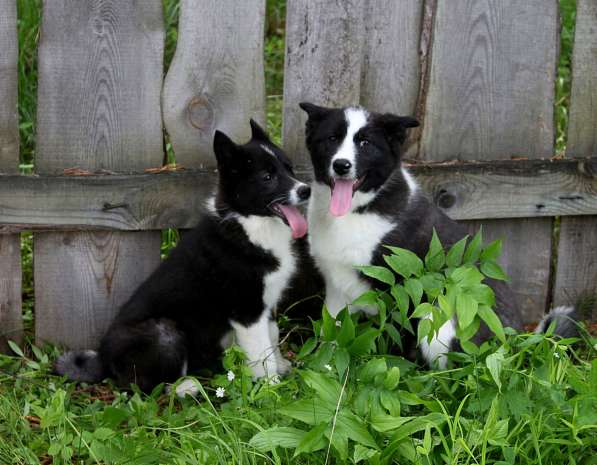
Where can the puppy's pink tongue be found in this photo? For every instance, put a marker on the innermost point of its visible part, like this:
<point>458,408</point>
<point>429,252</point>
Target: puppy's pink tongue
<point>297,222</point>
<point>341,197</point>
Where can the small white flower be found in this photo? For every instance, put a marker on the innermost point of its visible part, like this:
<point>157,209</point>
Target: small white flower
<point>220,392</point>
<point>328,367</point>
<point>230,375</point>
<point>556,355</point>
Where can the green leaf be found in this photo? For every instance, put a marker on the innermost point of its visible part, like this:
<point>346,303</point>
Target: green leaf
<point>102,433</point>
<point>312,440</point>
<point>432,285</point>
<point>378,272</point>
<point>363,453</point>
<point>15,348</point>
<point>404,262</point>
<point>394,334</point>
<point>492,321</point>
<point>310,411</point>
<point>467,276</point>
<point>454,257</point>
<point>364,343</point>
<point>423,329</point>
<point>391,402</point>
<point>466,309</point>
<point>494,363</point>
<point>436,257</point>
<point>473,251</point>
<point>414,289</point>
<point>354,427</point>
<point>400,296</point>
<point>491,269</point>
<point>422,310</point>
<point>329,326</point>
<point>483,294</point>
<point>464,334</point>
<point>372,368</point>
<point>367,299</point>
<point>418,424</point>
<point>308,347</point>
<point>469,347</point>
<point>283,436</point>
<point>382,422</point>
<point>492,251</point>
<point>327,388</point>
<point>444,304</point>
<point>392,378</point>
<point>346,333</point>
<point>342,361</point>
<point>113,416</point>
<point>322,356</point>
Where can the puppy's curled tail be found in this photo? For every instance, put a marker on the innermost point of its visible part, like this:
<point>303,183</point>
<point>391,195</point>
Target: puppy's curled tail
<point>84,366</point>
<point>566,319</point>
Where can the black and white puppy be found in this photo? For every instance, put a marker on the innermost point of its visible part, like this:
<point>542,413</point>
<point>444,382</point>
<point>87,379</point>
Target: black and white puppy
<point>362,198</point>
<point>226,276</point>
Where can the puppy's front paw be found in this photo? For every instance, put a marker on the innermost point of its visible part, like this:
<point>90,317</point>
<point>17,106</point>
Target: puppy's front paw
<point>264,368</point>
<point>284,365</point>
<point>189,387</point>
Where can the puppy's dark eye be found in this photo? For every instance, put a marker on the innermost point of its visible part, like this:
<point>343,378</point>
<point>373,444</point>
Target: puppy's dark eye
<point>363,142</point>
<point>267,177</point>
<point>332,138</point>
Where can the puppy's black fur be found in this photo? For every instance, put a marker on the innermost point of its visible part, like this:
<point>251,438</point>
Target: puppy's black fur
<point>179,315</point>
<point>367,147</point>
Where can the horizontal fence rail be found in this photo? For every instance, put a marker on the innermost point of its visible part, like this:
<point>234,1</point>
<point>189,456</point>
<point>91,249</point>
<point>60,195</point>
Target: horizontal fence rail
<point>138,202</point>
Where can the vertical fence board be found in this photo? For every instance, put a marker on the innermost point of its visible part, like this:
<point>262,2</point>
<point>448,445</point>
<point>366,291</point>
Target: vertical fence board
<point>100,77</point>
<point>390,69</point>
<point>491,96</point>
<point>11,322</point>
<point>324,43</point>
<point>576,275</point>
<point>216,80</point>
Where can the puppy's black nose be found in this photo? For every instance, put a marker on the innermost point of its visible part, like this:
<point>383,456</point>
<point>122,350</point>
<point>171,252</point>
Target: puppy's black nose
<point>342,166</point>
<point>303,192</point>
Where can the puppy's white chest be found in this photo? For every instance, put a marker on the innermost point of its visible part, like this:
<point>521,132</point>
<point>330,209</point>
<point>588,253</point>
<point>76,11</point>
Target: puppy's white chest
<point>340,244</point>
<point>272,235</point>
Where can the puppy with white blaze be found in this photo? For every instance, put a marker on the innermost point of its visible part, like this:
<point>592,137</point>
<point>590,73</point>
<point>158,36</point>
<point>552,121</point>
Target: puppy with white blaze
<point>226,276</point>
<point>362,199</point>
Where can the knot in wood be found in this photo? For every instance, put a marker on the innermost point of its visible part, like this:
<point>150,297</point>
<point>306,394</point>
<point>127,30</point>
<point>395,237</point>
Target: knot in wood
<point>445,199</point>
<point>200,113</point>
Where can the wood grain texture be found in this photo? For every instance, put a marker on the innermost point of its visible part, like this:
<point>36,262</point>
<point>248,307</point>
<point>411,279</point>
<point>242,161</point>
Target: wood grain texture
<point>324,45</point>
<point>9,130</point>
<point>576,275</point>
<point>499,189</point>
<point>100,78</point>
<point>490,96</point>
<point>101,270</point>
<point>216,80</point>
<point>11,322</point>
<point>390,68</point>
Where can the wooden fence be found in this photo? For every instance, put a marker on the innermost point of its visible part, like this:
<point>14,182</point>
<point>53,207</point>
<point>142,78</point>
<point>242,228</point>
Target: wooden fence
<point>479,74</point>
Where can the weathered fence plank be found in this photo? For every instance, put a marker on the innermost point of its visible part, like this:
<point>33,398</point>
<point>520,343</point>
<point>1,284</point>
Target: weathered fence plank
<point>11,322</point>
<point>216,80</point>
<point>324,44</point>
<point>499,189</point>
<point>100,77</point>
<point>490,96</point>
<point>576,275</point>
<point>390,68</point>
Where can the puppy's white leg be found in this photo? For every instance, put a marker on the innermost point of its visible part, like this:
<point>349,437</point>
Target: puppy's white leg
<point>334,299</point>
<point>284,365</point>
<point>440,345</point>
<point>254,339</point>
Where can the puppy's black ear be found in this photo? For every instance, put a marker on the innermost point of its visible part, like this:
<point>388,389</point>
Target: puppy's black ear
<point>395,127</point>
<point>257,132</point>
<point>224,149</point>
<point>314,111</point>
